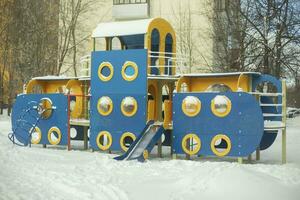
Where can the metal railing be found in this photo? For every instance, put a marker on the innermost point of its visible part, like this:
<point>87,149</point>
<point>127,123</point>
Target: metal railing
<point>85,64</point>
<point>172,61</point>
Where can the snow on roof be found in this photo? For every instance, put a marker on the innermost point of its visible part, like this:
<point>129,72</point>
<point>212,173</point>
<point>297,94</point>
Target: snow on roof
<point>121,28</point>
<point>219,74</point>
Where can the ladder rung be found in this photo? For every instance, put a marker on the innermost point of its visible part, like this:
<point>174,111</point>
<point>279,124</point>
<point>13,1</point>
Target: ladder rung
<point>273,129</point>
<point>266,94</point>
<point>272,115</point>
<point>266,105</point>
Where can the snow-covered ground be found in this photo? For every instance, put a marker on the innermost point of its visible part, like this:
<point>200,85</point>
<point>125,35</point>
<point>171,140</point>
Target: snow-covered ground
<point>54,173</point>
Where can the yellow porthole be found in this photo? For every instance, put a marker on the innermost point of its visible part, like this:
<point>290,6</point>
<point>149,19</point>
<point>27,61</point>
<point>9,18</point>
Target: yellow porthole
<point>54,135</point>
<point>130,71</point>
<point>45,108</point>
<point>126,140</point>
<point>221,106</point>
<point>105,106</point>
<point>36,136</point>
<point>191,106</point>
<point>129,106</point>
<point>220,151</point>
<point>191,144</point>
<point>105,71</point>
<point>104,140</point>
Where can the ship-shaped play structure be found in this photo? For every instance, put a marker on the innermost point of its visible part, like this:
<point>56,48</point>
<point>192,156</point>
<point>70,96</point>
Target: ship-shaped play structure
<point>139,97</point>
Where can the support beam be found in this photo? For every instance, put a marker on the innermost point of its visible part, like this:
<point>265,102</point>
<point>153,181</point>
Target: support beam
<point>159,114</point>
<point>240,160</point>
<point>85,114</point>
<point>283,121</point>
<point>250,158</point>
<point>174,156</point>
<point>257,153</point>
<point>283,159</point>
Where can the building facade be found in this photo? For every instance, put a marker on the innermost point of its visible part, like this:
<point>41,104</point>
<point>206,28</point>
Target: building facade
<point>193,20</point>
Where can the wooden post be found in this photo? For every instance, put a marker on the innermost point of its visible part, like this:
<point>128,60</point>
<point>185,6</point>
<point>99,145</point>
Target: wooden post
<point>174,156</point>
<point>250,158</point>
<point>85,114</point>
<point>69,113</point>
<point>240,160</point>
<point>159,114</point>
<point>257,153</point>
<point>284,122</point>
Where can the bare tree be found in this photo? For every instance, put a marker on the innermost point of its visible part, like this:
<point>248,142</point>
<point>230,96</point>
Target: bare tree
<point>70,11</point>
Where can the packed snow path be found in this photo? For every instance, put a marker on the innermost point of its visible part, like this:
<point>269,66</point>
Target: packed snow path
<point>36,173</point>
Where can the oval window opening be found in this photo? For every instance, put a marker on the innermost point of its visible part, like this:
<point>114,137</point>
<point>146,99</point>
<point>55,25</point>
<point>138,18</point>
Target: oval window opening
<point>105,71</point>
<point>191,144</point>
<point>191,106</point>
<point>129,71</point>
<point>221,106</point>
<point>105,106</point>
<point>104,140</point>
<point>126,140</point>
<point>54,136</point>
<point>221,145</point>
<point>45,108</point>
<point>129,106</point>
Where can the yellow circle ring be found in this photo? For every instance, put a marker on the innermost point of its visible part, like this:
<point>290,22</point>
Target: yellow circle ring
<point>108,145</point>
<point>218,114</point>
<point>39,132</point>
<point>57,130</point>
<point>194,137</point>
<point>111,69</point>
<point>134,110</point>
<point>127,134</point>
<point>213,142</point>
<point>198,108</point>
<point>110,109</point>
<point>136,71</point>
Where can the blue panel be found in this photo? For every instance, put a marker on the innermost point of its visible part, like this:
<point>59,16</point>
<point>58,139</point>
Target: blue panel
<point>117,89</point>
<point>243,125</point>
<point>58,118</point>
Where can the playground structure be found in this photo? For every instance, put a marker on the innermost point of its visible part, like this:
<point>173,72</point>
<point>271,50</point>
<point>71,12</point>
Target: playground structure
<point>140,96</point>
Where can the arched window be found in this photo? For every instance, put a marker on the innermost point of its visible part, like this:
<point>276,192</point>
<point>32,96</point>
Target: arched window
<point>168,54</point>
<point>116,43</point>
<point>155,38</point>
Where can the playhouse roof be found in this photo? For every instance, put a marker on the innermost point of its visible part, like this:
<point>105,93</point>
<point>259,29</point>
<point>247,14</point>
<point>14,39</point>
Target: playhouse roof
<point>121,28</point>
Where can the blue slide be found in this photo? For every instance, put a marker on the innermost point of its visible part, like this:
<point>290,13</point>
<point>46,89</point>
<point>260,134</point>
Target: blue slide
<point>146,141</point>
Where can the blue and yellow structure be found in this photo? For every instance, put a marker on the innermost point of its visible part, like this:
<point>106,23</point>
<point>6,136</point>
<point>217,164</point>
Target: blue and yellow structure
<point>135,99</point>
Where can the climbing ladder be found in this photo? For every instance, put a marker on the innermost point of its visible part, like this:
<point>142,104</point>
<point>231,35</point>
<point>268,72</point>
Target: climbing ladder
<point>280,122</point>
<point>25,127</point>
